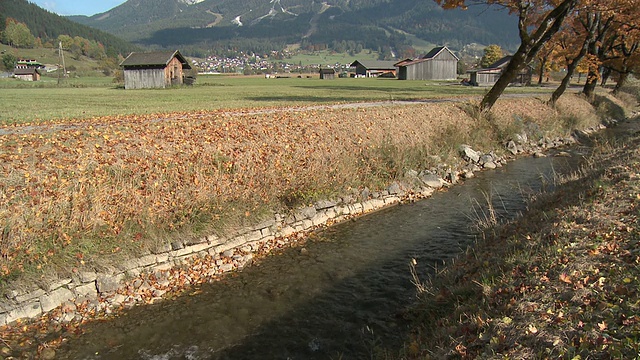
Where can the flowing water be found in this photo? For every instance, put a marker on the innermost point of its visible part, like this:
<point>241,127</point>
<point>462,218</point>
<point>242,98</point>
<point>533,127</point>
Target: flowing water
<point>342,297</point>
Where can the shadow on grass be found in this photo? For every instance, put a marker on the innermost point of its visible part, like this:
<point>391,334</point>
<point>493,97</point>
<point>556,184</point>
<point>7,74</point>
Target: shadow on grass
<point>409,88</point>
<point>606,107</point>
<point>312,99</point>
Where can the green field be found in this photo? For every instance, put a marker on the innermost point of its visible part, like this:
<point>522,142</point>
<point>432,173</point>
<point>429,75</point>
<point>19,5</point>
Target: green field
<point>327,58</point>
<point>82,98</point>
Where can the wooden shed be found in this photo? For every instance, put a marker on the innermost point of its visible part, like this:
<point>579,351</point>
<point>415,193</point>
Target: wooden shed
<point>27,69</point>
<point>327,73</point>
<point>439,64</point>
<point>374,68</point>
<point>489,76</point>
<point>27,74</point>
<point>159,69</point>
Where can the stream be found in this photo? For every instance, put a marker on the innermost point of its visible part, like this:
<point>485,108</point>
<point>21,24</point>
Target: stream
<point>342,296</point>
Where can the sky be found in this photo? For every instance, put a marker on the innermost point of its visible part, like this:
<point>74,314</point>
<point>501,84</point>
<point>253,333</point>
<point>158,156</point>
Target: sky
<point>78,7</point>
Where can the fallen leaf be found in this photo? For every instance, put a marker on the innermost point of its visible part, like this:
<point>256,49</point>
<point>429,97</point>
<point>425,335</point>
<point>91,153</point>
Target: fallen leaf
<point>565,278</point>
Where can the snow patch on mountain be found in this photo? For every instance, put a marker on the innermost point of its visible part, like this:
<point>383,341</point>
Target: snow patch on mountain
<point>276,7</point>
<point>282,9</point>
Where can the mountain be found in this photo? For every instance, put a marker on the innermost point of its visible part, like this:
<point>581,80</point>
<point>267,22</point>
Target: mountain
<point>373,24</point>
<point>48,26</point>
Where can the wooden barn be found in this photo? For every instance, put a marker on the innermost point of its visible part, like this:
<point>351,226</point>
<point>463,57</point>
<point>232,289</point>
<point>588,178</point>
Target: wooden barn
<point>489,76</point>
<point>27,69</point>
<point>439,64</point>
<point>374,68</point>
<point>327,73</point>
<point>159,69</point>
<point>27,74</point>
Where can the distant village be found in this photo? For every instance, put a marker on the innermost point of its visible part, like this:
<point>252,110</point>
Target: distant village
<point>257,65</point>
<point>161,69</point>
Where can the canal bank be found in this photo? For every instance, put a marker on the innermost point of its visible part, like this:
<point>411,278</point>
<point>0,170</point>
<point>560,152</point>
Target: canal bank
<point>562,281</point>
<point>182,269</point>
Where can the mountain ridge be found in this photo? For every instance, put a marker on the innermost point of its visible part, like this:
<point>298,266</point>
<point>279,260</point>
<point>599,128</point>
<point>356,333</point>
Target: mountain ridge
<point>373,24</point>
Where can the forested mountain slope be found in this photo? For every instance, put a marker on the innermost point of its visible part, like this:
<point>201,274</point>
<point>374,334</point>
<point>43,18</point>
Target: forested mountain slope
<point>270,24</point>
<point>47,25</point>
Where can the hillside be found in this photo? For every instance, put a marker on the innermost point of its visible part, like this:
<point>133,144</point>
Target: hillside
<point>373,24</point>
<point>47,25</point>
<point>81,66</point>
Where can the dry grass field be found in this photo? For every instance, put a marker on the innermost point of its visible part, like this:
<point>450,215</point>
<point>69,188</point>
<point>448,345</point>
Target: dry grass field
<point>92,192</point>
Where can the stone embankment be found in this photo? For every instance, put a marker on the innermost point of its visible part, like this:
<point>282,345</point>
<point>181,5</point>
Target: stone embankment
<point>179,265</point>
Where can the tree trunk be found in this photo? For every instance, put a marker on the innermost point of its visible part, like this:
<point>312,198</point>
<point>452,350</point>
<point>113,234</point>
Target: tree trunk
<point>530,44</point>
<point>564,84</point>
<point>599,49</point>
<point>589,89</point>
<point>605,76</point>
<point>507,76</point>
<point>621,80</point>
<point>543,64</point>
<point>591,23</point>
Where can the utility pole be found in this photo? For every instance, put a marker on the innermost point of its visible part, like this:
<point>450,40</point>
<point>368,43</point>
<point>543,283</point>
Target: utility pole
<point>64,68</point>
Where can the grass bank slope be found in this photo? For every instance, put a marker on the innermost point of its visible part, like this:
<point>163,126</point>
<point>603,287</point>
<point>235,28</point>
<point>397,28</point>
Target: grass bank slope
<point>562,282</point>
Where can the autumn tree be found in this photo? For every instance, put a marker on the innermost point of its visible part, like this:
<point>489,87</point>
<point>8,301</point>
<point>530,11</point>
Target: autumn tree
<point>575,39</point>
<point>492,53</point>
<point>598,35</point>
<point>597,51</point>
<point>79,46</point>
<point>583,67</point>
<point>17,34</point>
<point>66,41</point>
<point>538,21</point>
<point>627,62</point>
<point>625,50</point>
<point>544,60</point>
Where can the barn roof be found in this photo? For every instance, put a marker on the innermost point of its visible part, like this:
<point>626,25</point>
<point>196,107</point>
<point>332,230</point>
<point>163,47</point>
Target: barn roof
<point>500,63</point>
<point>405,62</point>
<point>155,58</point>
<point>25,71</point>
<point>497,66</point>
<point>436,51</point>
<point>375,65</point>
<point>429,56</point>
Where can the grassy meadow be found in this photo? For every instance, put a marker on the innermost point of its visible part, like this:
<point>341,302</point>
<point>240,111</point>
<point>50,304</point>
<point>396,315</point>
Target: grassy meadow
<point>330,58</point>
<point>85,98</point>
